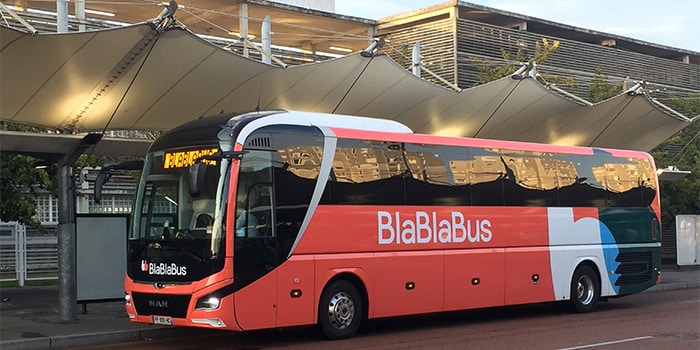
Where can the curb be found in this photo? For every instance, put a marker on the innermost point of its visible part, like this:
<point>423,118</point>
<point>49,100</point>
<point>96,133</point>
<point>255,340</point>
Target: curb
<point>93,339</point>
<point>674,286</point>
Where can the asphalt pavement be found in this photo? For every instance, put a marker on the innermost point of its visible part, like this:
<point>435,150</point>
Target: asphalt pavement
<point>29,317</point>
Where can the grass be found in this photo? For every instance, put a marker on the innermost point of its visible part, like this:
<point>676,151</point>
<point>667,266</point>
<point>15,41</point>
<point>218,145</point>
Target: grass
<point>29,283</point>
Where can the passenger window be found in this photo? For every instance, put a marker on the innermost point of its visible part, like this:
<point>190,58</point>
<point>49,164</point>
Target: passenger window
<point>367,172</point>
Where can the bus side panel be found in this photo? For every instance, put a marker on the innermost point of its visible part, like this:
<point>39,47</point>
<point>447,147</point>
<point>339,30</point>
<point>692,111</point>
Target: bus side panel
<point>340,229</point>
<point>346,228</point>
<point>408,283</point>
<point>296,274</point>
<point>255,304</point>
<point>528,276</point>
<point>474,278</point>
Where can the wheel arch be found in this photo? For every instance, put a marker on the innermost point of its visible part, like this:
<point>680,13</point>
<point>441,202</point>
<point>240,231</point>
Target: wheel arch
<point>593,265</point>
<point>563,287</point>
<point>352,277</point>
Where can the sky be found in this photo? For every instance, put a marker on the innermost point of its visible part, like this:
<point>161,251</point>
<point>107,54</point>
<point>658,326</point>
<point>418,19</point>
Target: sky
<point>670,23</point>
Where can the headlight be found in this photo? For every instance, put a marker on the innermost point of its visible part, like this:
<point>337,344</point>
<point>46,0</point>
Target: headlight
<point>127,298</point>
<point>208,303</point>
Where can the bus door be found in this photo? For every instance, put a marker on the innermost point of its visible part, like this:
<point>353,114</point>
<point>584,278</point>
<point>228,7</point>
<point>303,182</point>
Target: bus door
<point>256,251</point>
<point>255,245</point>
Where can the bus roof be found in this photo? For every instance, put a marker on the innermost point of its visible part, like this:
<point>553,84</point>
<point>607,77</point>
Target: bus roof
<point>485,143</point>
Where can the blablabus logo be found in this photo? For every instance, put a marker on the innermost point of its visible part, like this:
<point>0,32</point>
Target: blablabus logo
<point>424,227</point>
<point>163,269</point>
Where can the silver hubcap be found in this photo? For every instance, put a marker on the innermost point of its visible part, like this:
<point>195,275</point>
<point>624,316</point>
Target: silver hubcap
<point>584,290</point>
<point>341,310</point>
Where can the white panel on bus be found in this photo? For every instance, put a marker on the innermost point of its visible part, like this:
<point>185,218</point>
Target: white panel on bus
<point>323,120</point>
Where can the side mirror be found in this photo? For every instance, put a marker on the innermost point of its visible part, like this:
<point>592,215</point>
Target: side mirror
<point>107,172</point>
<point>101,179</point>
<point>196,178</point>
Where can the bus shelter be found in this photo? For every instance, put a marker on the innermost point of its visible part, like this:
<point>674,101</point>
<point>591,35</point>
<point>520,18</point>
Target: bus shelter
<point>156,75</point>
<point>145,77</point>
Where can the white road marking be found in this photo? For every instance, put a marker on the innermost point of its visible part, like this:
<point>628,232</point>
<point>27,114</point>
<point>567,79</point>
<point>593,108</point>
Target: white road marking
<point>606,343</point>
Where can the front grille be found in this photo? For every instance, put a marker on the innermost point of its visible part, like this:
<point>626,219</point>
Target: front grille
<point>635,268</point>
<point>161,304</point>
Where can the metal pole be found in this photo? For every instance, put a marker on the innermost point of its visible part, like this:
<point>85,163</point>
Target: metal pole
<point>243,26</point>
<point>21,251</point>
<point>62,16</point>
<point>67,286</point>
<point>67,270</point>
<point>80,14</point>
<point>266,40</point>
<point>415,59</point>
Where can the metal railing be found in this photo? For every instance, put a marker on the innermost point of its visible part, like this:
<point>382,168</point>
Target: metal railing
<point>27,254</point>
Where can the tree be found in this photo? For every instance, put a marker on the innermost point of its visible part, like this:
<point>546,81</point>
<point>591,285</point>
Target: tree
<point>600,89</point>
<point>489,72</point>
<point>21,181</point>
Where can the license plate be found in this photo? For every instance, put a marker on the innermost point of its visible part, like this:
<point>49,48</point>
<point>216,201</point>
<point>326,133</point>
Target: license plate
<point>165,320</point>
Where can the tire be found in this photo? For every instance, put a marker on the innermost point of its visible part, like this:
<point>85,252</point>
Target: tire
<point>585,289</point>
<point>340,310</point>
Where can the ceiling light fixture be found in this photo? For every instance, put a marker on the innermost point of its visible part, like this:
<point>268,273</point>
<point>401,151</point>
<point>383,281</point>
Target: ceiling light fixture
<point>341,49</point>
<point>16,8</point>
<point>238,35</point>
<point>41,12</point>
<point>99,13</point>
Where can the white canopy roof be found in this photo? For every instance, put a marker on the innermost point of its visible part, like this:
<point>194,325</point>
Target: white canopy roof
<point>138,78</point>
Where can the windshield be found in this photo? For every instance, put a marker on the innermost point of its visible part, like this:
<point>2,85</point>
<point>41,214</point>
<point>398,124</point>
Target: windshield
<point>173,230</point>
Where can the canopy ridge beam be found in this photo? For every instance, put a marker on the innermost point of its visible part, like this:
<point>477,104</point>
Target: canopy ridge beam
<point>19,19</point>
<point>441,79</point>
<point>248,43</point>
<point>111,79</point>
<point>561,91</point>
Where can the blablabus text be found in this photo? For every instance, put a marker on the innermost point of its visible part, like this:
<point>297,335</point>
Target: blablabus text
<point>427,227</point>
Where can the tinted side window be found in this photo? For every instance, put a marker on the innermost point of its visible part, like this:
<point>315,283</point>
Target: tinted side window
<point>626,181</point>
<point>366,172</point>
<point>580,183</point>
<point>376,172</point>
<point>294,155</point>
<point>438,175</point>
<point>647,182</point>
<point>530,179</point>
<point>486,174</point>
<point>296,170</point>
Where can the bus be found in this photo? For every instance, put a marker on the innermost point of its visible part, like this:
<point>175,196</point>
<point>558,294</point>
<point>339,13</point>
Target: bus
<point>282,218</point>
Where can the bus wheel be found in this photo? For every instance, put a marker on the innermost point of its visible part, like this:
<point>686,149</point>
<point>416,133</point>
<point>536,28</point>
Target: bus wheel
<point>585,289</point>
<point>340,310</point>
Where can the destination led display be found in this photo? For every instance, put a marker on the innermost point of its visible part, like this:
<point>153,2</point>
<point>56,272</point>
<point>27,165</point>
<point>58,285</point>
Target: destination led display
<point>184,159</point>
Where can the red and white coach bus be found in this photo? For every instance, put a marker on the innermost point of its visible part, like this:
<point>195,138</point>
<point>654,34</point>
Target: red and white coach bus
<point>280,218</point>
